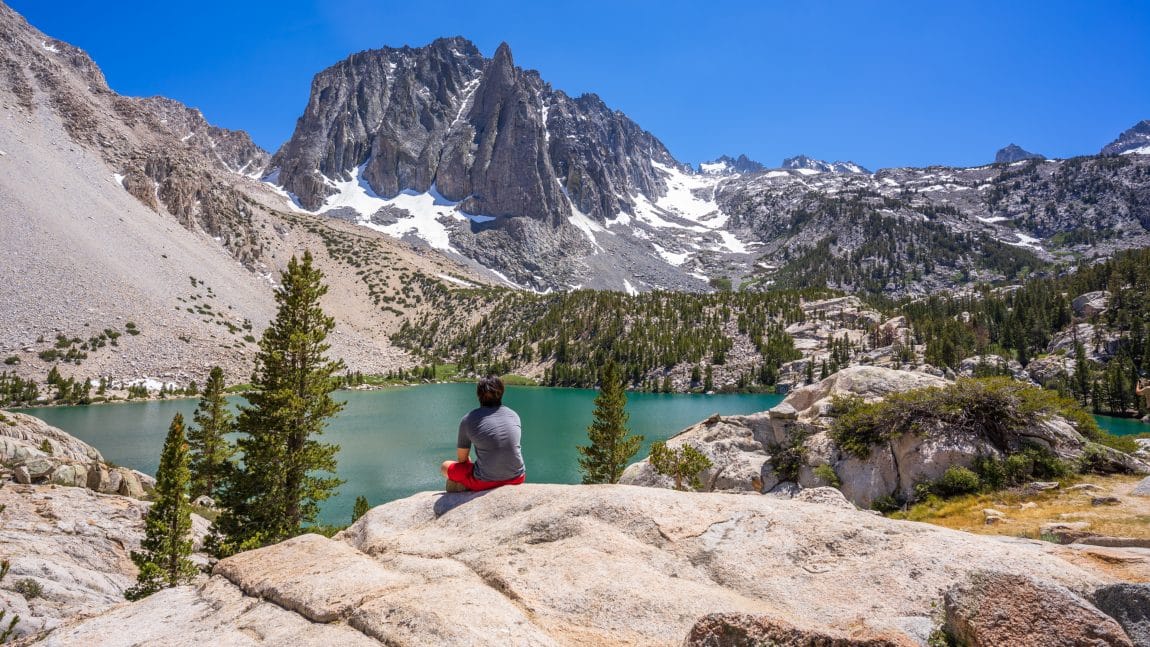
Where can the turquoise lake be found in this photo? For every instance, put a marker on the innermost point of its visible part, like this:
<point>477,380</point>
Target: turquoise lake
<point>392,441</point>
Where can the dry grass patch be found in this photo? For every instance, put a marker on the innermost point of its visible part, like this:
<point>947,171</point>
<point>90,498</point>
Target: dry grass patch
<point>1130,518</point>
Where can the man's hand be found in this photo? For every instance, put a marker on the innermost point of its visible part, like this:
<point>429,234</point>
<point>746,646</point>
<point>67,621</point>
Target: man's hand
<point>462,455</point>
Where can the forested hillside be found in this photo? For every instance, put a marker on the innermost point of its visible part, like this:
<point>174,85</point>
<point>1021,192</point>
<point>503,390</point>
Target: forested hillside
<point>1088,326</point>
<point>663,340</point>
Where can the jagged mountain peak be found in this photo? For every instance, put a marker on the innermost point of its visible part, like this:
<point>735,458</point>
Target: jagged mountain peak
<point>492,145</point>
<point>503,52</point>
<point>1134,140</point>
<point>1015,153</point>
<point>804,163</point>
<point>727,165</point>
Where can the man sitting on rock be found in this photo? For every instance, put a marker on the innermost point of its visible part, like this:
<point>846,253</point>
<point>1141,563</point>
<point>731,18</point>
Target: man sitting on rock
<point>494,431</point>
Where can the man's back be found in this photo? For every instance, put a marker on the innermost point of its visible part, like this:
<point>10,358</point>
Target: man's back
<point>495,433</point>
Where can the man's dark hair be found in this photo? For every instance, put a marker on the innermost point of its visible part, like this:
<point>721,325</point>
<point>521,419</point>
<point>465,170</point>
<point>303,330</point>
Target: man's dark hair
<point>490,391</point>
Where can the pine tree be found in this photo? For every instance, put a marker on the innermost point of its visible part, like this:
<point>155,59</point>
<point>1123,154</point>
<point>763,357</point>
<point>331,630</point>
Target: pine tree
<point>684,463</point>
<point>612,445</point>
<point>208,448</point>
<point>1081,372</point>
<point>163,558</point>
<point>360,509</point>
<point>276,490</point>
<point>6,632</point>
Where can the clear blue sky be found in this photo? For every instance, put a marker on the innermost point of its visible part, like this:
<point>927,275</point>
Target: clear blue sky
<point>881,83</point>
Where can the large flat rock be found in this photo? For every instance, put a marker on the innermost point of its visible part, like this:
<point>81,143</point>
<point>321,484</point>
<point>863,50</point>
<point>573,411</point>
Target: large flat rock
<point>583,565</point>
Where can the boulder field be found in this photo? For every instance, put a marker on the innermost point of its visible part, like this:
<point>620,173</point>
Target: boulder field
<point>34,452</point>
<point>594,565</point>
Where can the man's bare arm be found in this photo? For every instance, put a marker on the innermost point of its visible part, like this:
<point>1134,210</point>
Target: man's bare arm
<point>462,455</point>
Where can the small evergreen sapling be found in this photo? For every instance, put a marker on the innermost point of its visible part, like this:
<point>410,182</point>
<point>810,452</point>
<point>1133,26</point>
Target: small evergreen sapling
<point>360,509</point>
<point>683,464</point>
<point>163,558</point>
<point>611,445</point>
<point>6,632</point>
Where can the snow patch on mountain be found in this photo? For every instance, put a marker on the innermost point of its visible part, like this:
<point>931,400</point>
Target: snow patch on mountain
<point>688,196</point>
<point>674,258</point>
<point>427,210</point>
<point>715,168</point>
<point>588,226</point>
<point>803,163</point>
<point>459,282</point>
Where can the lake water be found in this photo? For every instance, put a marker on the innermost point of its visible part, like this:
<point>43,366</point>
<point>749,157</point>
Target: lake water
<point>392,441</point>
<point>1122,426</point>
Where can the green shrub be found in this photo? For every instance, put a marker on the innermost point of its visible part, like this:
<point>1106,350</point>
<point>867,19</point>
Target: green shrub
<point>1095,460</point>
<point>844,403</point>
<point>826,474</point>
<point>1046,465</point>
<point>29,588</point>
<point>886,504</point>
<point>956,481</point>
<point>1029,464</point>
<point>11,360</point>
<point>788,458</point>
<point>992,407</point>
<point>683,464</point>
<point>1016,468</point>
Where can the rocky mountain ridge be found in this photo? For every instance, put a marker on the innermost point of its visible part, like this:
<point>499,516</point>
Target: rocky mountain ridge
<point>516,167</point>
<point>726,165</point>
<point>1014,153</point>
<point>588,199</point>
<point>1135,140</point>
<point>802,162</point>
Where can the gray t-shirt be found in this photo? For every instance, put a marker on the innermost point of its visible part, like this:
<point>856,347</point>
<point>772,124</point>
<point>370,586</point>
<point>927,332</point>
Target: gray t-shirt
<point>494,432</point>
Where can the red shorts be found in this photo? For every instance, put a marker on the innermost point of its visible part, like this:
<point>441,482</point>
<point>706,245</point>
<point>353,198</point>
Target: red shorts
<point>463,473</point>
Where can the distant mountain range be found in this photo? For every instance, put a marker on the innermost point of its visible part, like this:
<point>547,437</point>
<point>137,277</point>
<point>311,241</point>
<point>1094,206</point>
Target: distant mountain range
<point>727,165</point>
<point>486,165</point>
<point>802,162</point>
<point>485,161</point>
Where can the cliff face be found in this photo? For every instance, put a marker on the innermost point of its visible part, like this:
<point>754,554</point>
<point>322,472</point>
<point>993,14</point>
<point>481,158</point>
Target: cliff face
<point>481,131</point>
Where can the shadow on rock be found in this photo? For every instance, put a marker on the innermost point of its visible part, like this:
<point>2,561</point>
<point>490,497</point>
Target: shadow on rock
<point>449,501</point>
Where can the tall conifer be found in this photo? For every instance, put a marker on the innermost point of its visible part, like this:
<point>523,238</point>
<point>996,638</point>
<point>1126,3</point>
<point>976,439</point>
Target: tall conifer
<point>209,450</point>
<point>276,489</point>
<point>163,555</point>
<point>604,460</point>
